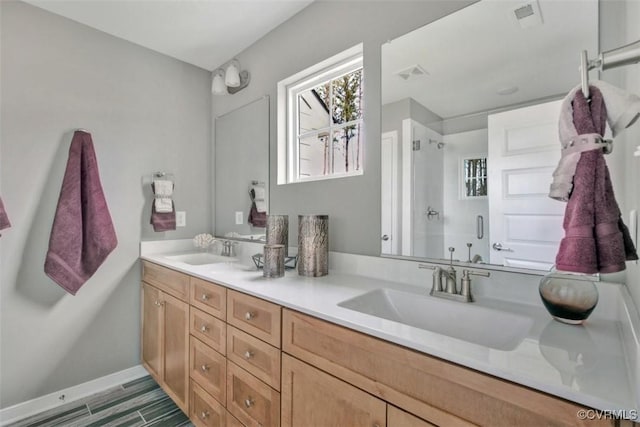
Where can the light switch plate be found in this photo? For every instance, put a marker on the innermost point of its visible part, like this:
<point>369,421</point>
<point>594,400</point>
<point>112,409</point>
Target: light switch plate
<point>239,218</point>
<point>181,218</point>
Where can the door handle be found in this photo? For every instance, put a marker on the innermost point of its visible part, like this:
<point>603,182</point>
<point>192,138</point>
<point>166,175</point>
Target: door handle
<point>498,247</point>
<point>385,237</point>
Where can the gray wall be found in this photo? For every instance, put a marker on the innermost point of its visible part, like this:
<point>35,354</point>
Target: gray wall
<point>146,112</point>
<point>309,37</point>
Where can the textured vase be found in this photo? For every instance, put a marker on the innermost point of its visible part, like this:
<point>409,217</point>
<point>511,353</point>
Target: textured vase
<point>273,261</point>
<point>567,299</point>
<point>313,245</point>
<point>278,231</point>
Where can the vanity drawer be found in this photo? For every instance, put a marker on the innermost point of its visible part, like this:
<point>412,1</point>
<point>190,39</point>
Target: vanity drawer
<point>254,316</point>
<point>431,388</point>
<point>172,282</point>
<point>250,400</point>
<point>233,421</point>
<point>209,330</point>
<point>205,411</point>
<point>209,297</point>
<point>208,368</point>
<point>257,357</point>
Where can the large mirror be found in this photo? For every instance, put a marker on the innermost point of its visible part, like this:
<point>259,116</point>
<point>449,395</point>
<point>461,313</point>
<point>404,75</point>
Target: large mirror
<point>242,171</point>
<point>469,131</point>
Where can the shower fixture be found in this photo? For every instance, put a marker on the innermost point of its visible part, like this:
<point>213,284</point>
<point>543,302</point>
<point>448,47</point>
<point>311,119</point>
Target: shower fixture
<point>439,144</point>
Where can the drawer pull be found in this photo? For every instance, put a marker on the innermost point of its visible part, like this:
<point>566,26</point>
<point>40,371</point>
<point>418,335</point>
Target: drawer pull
<point>204,297</point>
<point>204,328</point>
<point>204,368</point>
<point>158,303</point>
<point>248,354</point>
<point>204,415</point>
<point>249,315</point>
<point>248,402</point>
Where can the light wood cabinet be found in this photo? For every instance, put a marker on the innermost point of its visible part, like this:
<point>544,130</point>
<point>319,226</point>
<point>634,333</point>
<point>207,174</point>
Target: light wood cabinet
<point>209,330</point>
<point>259,358</point>
<point>399,418</point>
<point>218,354</point>
<point>208,297</point>
<point>254,316</point>
<point>250,400</point>
<point>205,411</point>
<point>165,344</point>
<point>208,369</point>
<point>311,397</point>
<point>440,392</point>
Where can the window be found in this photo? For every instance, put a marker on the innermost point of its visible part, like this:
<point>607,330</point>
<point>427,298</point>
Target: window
<point>320,120</point>
<point>474,177</point>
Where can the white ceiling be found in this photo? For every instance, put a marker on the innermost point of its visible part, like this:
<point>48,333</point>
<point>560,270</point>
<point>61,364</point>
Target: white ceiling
<point>473,53</point>
<point>205,33</point>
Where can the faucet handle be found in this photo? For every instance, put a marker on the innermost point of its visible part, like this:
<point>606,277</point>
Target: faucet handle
<point>436,286</point>
<point>467,273</point>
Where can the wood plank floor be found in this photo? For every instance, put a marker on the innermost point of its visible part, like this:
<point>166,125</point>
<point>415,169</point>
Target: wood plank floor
<point>138,403</point>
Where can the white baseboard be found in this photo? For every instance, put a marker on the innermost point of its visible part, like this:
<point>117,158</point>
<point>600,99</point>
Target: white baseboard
<point>50,401</point>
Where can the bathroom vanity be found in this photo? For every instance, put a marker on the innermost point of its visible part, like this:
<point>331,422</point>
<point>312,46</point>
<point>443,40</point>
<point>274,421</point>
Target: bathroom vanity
<point>233,348</point>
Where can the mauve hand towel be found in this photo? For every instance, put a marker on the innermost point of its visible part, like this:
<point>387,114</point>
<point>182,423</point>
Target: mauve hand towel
<point>82,235</point>
<point>162,221</point>
<point>4,218</point>
<point>596,240</point>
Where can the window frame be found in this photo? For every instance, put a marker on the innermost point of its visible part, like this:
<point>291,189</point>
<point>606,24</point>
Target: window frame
<point>463,176</point>
<point>288,161</point>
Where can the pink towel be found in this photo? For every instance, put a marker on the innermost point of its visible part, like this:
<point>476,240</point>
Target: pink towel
<point>596,239</point>
<point>82,235</point>
<point>162,221</point>
<point>4,218</point>
<point>256,218</point>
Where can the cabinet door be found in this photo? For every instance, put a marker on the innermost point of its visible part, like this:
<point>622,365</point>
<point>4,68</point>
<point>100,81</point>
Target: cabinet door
<point>311,397</point>
<point>176,350</point>
<point>400,418</point>
<point>152,331</point>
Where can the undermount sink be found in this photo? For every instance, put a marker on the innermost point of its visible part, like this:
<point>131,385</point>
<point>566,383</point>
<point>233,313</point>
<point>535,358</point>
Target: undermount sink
<point>480,325</point>
<point>200,258</point>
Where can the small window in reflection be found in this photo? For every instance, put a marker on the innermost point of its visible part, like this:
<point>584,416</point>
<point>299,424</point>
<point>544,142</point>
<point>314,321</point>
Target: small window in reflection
<point>474,177</point>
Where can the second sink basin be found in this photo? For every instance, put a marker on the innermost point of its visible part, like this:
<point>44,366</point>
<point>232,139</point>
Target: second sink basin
<point>200,258</point>
<point>480,325</point>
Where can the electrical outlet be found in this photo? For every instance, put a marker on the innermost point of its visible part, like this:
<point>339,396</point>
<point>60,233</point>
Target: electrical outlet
<point>181,219</point>
<point>239,218</point>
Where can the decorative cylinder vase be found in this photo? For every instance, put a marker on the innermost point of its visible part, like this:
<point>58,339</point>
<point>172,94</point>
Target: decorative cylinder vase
<point>278,231</point>
<point>313,245</point>
<point>273,261</point>
<point>568,299</point>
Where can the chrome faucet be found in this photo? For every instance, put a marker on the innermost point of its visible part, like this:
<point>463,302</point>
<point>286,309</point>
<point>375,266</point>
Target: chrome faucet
<point>450,291</point>
<point>227,247</point>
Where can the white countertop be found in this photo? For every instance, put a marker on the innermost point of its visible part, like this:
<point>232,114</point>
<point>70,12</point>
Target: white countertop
<point>596,364</point>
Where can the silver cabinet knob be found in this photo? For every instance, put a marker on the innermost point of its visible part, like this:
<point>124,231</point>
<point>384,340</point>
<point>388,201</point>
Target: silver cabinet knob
<point>248,402</point>
<point>385,237</point>
<point>249,315</point>
<point>248,354</point>
<point>204,328</point>
<point>204,297</point>
<point>204,415</point>
<point>204,368</point>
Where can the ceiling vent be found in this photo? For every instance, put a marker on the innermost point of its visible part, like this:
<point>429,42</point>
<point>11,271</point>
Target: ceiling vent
<point>411,72</point>
<point>528,14</point>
